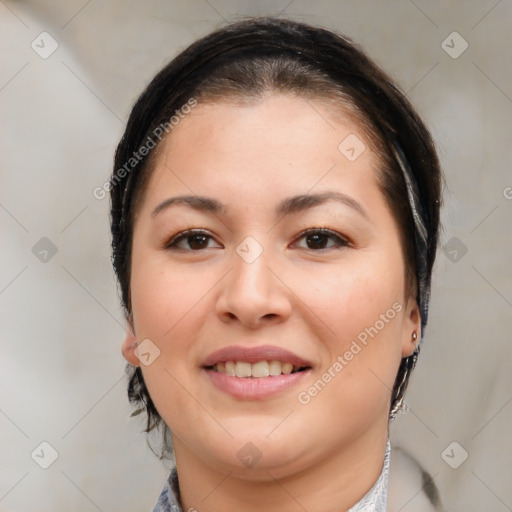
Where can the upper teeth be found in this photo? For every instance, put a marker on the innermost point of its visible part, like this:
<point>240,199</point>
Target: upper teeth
<point>259,369</point>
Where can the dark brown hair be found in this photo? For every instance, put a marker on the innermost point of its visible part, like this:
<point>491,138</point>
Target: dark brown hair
<point>243,62</point>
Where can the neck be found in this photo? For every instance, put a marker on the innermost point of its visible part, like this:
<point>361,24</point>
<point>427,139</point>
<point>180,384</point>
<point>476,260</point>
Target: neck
<point>335,483</point>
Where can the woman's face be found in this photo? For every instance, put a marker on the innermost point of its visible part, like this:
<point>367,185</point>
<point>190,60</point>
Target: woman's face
<point>249,286</point>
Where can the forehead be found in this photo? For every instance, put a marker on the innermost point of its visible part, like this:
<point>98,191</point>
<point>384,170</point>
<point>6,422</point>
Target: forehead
<point>267,148</point>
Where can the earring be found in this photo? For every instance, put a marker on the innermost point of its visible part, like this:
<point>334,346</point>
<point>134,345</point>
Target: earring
<point>416,343</point>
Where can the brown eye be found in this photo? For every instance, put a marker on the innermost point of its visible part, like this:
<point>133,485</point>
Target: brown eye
<point>318,239</point>
<point>190,240</point>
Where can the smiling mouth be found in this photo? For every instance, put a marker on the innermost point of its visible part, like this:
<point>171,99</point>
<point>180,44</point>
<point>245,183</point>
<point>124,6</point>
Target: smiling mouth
<point>257,370</point>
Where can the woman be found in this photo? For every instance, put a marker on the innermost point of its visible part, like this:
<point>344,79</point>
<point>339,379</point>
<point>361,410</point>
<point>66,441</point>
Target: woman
<point>275,210</point>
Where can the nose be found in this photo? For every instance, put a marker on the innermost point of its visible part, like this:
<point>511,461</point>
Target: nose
<point>253,294</point>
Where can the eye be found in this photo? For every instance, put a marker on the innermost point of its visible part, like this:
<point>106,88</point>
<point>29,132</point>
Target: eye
<point>198,239</point>
<point>191,239</point>
<point>318,239</point>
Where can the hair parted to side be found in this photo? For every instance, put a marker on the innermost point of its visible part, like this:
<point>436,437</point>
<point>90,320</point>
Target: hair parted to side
<point>245,62</point>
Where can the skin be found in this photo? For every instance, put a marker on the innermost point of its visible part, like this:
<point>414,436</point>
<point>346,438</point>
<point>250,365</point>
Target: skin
<point>324,455</point>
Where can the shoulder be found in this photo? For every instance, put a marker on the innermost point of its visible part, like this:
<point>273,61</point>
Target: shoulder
<point>168,501</point>
<point>411,488</point>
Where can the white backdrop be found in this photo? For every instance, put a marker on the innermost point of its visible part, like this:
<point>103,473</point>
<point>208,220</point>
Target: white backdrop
<point>63,104</point>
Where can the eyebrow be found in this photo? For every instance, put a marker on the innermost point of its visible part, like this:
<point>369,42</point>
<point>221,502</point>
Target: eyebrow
<point>288,206</point>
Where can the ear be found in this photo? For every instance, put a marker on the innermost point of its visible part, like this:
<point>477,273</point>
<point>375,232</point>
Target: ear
<point>130,344</point>
<point>412,327</point>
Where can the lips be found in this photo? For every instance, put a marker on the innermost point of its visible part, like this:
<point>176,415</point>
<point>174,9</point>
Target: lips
<point>255,373</point>
<point>238,353</point>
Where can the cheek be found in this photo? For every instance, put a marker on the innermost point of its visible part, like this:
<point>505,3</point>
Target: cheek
<point>166,303</point>
<point>351,296</point>
<point>358,315</point>
<point>161,295</point>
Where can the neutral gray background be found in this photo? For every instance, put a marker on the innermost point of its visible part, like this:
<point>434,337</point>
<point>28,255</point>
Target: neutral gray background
<point>62,373</point>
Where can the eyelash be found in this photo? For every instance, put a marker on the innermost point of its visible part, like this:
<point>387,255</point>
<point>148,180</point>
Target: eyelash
<point>339,240</point>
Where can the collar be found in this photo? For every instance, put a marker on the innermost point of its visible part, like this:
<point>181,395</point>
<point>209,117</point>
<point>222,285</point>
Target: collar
<point>373,501</point>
